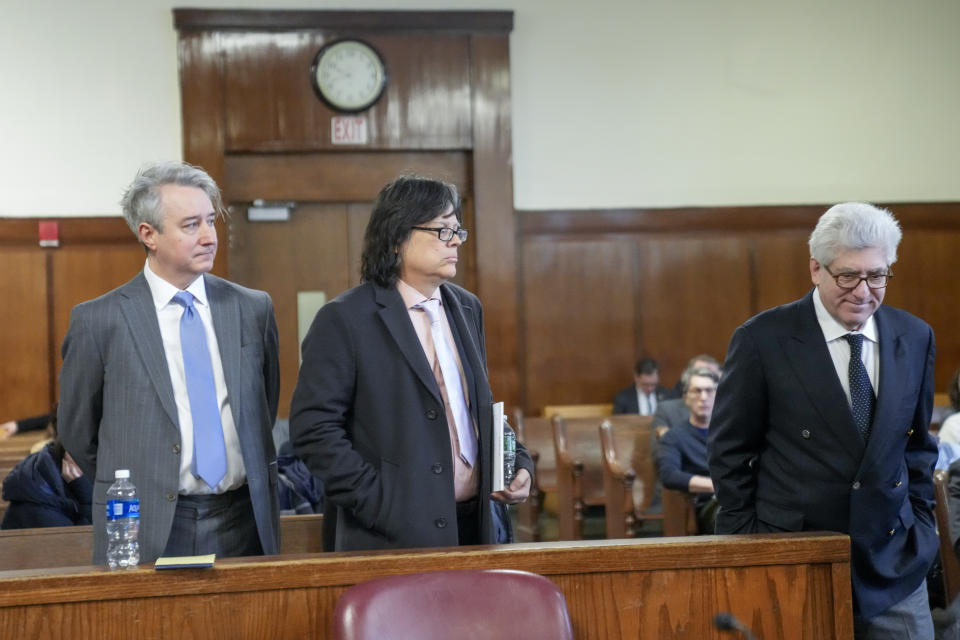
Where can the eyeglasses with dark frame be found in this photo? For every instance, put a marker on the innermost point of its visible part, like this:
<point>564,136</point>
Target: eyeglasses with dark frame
<point>851,281</point>
<point>445,234</point>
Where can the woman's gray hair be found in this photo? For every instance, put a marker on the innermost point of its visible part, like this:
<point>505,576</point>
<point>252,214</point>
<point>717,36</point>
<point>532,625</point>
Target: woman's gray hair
<point>855,225</point>
<point>141,201</point>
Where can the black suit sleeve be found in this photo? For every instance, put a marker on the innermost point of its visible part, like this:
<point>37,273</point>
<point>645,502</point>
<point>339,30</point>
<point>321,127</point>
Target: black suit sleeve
<point>737,433</point>
<point>320,412</point>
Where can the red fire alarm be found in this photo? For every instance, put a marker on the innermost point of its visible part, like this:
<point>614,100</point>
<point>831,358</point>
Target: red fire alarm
<point>49,231</point>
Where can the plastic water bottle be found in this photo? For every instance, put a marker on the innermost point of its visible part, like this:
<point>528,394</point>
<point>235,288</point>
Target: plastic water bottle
<point>509,453</point>
<point>123,522</point>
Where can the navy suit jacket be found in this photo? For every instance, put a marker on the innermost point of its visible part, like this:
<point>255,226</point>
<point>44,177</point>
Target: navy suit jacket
<point>785,454</point>
<point>367,417</point>
<point>626,399</point>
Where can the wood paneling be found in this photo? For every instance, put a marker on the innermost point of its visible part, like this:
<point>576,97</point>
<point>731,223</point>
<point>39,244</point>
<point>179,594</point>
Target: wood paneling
<point>311,252</point>
<point>699,273</point>
<point>272,105</point>
<point>791,587</point>
<point>694,290</point>
<point>579,326</point>
<point>25,380</point>
<point>493,189</point>
<point>348,176</point>
<point>95,255</point>
<point>285,20</point>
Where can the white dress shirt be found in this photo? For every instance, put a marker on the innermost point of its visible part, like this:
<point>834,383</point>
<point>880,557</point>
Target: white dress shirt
<point>168,315</point>
<point>646,403</point>
<point>839,348</point>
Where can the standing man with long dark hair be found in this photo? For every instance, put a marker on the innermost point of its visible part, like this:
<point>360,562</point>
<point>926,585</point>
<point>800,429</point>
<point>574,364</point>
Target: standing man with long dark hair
<point>393,409</point>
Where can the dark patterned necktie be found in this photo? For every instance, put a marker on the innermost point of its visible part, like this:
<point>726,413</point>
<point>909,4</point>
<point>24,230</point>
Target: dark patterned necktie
<point>862,399</point>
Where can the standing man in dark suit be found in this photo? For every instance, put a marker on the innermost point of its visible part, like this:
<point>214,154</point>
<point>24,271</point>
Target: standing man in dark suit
<point>821,422</point>
<point>174,376</point>
<point>644,394</point>
<point>393,409</point>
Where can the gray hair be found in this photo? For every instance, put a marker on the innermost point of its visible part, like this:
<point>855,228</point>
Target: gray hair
<point>855,225</point>
<point>141,201</point>
<point>701,372</point>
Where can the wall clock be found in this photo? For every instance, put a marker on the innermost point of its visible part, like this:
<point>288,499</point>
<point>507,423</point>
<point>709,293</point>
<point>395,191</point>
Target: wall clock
<point>349,75</point>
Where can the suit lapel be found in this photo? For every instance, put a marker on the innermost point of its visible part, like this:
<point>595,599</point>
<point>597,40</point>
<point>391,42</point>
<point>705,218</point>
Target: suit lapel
<point>466,344</point>
<point>225,311</point>
<point>136,305</point>
<point>395,316</point>
<point>893,359</point>
<point>806,351</point>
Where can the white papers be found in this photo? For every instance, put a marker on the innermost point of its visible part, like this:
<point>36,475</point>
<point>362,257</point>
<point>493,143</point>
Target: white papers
<point>498,447</point>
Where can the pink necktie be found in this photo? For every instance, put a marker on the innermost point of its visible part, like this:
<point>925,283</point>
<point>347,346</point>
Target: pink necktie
<point>451,380</point>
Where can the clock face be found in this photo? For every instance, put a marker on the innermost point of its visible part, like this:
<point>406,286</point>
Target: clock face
<point>349,75</point>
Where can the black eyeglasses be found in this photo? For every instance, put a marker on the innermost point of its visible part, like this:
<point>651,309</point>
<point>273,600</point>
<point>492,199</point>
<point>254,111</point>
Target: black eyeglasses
<point>849,280</point>
<point>445,234</point>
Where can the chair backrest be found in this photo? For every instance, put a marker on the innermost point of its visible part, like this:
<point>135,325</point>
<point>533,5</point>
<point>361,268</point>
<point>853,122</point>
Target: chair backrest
<point>579,471</point>
<point>453,604</point>
<point>948,556</point>
<point>577,410</point>
<point>536,434</point>
<point>629,475</point>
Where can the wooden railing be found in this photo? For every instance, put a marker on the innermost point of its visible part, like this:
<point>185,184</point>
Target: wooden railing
<point>787,586</point>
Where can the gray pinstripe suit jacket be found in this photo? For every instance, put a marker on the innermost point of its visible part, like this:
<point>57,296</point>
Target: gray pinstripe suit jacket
<point>117,408</point>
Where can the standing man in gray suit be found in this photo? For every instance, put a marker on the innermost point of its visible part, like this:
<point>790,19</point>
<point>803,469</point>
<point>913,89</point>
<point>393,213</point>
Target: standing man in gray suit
<point>174,375</point>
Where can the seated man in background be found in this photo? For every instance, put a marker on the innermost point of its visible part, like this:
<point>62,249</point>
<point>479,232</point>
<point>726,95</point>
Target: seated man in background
<point>673,411</point>
<point>682,454</point>
<point>645,392</point>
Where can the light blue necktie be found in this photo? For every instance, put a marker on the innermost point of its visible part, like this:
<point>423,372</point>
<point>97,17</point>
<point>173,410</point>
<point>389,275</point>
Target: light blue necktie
<point>209,452</point>
<point>862,399</point>
<point>451,380</point>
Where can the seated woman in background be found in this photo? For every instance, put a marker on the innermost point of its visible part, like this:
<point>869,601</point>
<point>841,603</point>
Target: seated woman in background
<point>950,429</point>
<point>46,489</point>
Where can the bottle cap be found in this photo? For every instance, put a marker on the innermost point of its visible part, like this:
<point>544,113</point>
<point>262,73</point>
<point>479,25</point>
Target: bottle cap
<point>121,473</point>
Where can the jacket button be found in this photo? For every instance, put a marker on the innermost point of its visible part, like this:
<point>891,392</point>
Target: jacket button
<point>432,414</point>
<point>892,531</point>
<point>437,467</point>
<point>805,434</point>
<point>171,497</point>
<point>440,522</point>
<point>856,485</point>
<point>897,483</point>
<point>176,448</point>
<point>910,433</point>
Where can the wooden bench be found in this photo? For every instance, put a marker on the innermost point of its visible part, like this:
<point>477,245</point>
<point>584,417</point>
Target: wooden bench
<point>948,555</point>
<point>577,410</point>
<point>629,474</point>
<point>536,434</point>
<point>785,586</point>
<point>73,546</point>
<point>576,446</point>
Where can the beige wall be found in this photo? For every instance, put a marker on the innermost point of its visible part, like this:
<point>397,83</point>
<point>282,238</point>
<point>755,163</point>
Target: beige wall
<point>616,103</point>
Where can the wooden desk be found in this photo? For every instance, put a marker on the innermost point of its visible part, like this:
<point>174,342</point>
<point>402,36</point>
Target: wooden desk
<point>789,586</point>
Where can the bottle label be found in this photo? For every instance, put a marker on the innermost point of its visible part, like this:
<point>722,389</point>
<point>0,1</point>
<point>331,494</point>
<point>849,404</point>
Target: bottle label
<point>117,509</point>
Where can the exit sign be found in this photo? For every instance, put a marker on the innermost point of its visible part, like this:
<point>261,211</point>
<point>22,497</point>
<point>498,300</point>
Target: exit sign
<point>348,130</point>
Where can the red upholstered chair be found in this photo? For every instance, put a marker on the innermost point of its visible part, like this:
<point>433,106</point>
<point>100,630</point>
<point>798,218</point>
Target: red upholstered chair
<point>453,604</point>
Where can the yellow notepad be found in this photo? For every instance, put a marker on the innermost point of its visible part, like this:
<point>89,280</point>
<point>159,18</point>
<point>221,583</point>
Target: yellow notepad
<point>185,562</point>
